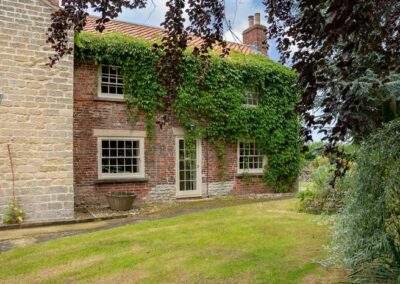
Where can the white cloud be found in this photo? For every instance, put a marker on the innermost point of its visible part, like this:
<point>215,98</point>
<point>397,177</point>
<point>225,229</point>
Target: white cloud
<point>152,15</point>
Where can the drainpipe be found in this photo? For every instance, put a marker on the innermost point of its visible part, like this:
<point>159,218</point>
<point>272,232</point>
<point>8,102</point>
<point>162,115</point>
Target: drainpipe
<point>208,196</point>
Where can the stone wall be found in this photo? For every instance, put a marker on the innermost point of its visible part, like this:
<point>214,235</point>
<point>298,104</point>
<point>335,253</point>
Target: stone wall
<point>92,113</point>
<point>36,114</point>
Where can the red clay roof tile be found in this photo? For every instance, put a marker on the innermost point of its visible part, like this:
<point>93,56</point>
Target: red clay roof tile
<point>152,33</point>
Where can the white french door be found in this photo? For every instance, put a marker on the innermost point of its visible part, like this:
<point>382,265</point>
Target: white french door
<point>188,168</point>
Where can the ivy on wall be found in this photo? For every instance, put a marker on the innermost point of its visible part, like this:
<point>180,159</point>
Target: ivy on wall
<point>214,108</point>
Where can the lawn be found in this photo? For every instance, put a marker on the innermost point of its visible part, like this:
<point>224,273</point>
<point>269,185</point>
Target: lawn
<point>264,242</point>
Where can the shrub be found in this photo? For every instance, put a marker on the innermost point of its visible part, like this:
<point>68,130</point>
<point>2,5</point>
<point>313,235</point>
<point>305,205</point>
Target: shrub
<point>14,214</point>
<point>367,232</point>
<point>313,150</point>
<point>319,196</point>
<point>310,201</point>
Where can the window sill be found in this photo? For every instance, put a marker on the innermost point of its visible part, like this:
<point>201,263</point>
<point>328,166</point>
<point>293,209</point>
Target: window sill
<point>122,180</point>
<point>107,99</point>
<point>242,175</point>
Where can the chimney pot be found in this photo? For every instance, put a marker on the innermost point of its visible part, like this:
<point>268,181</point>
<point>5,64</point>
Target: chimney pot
<point>257,19</point>
<point>251,21</point>
<point>256,34</point>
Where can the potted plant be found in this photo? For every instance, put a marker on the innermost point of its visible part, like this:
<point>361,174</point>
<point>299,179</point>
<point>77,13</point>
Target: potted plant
<point>121,201</point>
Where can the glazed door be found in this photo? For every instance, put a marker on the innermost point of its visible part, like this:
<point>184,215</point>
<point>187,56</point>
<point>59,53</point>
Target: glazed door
<point>188,168</point>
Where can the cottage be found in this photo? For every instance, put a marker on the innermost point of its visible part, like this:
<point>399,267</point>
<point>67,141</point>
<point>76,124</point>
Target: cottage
<point>72,139</point>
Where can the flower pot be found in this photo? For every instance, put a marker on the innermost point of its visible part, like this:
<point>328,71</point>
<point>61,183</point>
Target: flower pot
<point>121,201</point>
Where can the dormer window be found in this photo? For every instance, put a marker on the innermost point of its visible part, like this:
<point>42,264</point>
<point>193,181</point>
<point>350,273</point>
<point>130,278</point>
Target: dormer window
<point>251,98</point>
<point>111,82</point>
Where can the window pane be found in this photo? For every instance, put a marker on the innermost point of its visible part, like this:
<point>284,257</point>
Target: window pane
<point>121,144</point>
<point>129,169</point>
<point>121,152</point>
<point>128,152</point>
<point>121,161</point>
<point>104,89</point>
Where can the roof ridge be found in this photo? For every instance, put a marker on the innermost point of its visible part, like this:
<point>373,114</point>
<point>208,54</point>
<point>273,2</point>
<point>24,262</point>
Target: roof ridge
<point>157,28</point>
<point>130,23</point>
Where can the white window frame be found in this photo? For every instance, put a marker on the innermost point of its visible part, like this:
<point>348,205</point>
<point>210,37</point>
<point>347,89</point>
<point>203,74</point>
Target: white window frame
<point>249,171</point>
<point>111,176</point>
<point>100,94</point>
<point>246,94</point>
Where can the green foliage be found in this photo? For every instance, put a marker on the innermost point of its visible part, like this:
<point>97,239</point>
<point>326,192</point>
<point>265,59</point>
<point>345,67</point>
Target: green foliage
<point>367,232</point>
<point>313,150</point>
<point>14,214</point>
<point>319,196</point>
<point>213,109</point>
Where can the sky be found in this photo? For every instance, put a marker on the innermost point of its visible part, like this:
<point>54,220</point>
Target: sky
<point>237,12</point>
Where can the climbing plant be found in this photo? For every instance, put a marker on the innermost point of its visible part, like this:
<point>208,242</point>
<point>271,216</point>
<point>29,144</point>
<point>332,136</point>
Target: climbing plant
<point>212,108</point>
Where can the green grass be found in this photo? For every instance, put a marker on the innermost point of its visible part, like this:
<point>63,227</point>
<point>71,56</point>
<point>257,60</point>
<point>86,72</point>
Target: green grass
<point>266,242</point>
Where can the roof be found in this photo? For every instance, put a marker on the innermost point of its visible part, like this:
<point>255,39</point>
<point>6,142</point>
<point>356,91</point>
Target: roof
<point>152,33</point>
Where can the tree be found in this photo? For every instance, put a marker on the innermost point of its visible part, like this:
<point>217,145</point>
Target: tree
<point>366,235</point>
<point>347,54</point>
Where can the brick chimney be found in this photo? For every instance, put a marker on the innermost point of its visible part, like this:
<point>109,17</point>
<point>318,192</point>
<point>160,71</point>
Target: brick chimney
<point>256,34</point>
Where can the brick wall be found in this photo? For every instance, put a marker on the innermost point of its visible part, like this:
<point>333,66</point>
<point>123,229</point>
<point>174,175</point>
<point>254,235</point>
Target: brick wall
<point>256,34</point>
<point>35,114</point>
<point>90,113</point>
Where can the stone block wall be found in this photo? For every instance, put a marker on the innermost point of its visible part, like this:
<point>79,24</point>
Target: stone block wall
<point>36,114</point>
<point>93,113</point>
